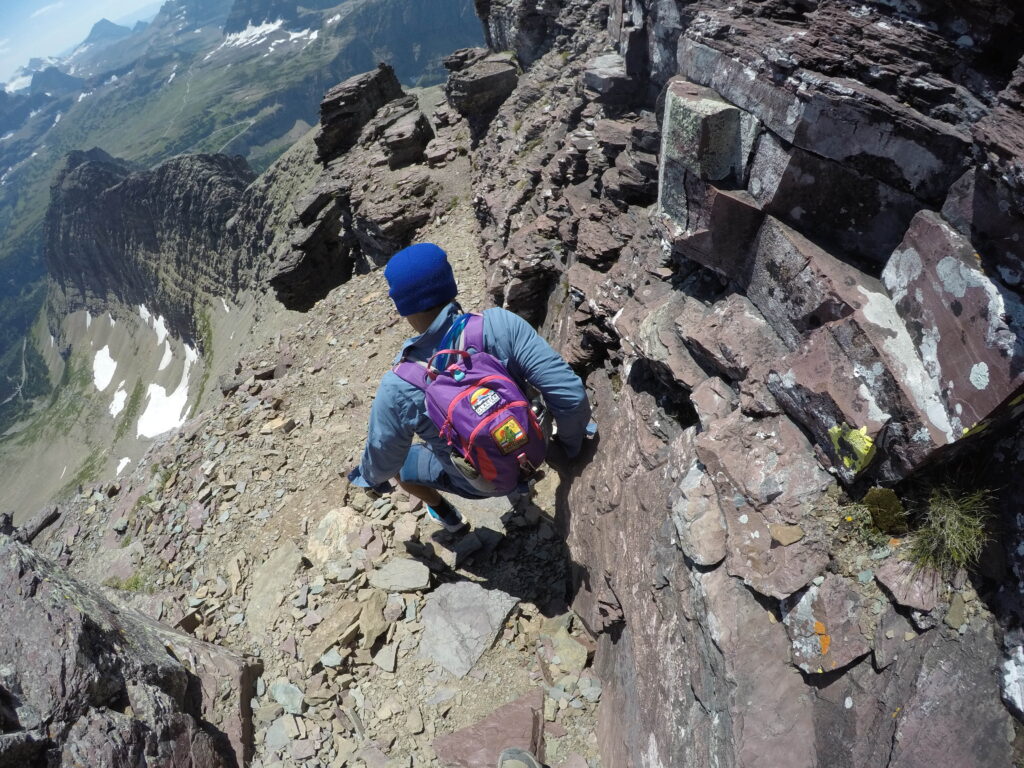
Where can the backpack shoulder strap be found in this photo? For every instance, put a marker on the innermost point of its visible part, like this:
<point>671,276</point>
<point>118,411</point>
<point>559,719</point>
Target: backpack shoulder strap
<point>412,372</point>
<point>473,333</point>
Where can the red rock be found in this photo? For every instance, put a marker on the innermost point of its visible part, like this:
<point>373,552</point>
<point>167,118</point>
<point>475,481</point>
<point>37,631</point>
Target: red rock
<point>848,212</point>
<point>913,588</point>
<point>734,337</point>
<point>519,724</point>
<point>968,328</point>
<point>824,626</point>
<point>349,106</point>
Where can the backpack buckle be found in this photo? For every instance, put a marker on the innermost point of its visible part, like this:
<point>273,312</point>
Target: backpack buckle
<point>525,465</point>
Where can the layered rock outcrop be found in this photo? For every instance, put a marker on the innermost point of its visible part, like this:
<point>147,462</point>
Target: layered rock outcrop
<point>84,682</point>
<point>117,236</point>
<point>374,193</point>
<point>757,229</point>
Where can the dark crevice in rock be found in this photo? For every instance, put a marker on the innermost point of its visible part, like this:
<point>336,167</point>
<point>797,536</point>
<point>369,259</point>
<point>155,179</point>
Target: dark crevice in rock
<point>655,379</point>
<point>822,680</point>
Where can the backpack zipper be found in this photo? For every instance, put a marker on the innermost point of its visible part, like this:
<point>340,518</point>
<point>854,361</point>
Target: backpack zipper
<point>467,391</point>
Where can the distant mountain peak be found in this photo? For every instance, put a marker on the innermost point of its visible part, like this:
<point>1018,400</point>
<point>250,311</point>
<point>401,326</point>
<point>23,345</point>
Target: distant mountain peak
<point>106,31</point>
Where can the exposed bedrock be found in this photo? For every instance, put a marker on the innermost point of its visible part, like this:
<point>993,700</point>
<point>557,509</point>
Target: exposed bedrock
<point>121,236</point>
<point>782,241</point>
<point>85,682</point>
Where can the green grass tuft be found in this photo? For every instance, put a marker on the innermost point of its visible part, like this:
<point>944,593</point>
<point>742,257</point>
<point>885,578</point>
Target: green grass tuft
<point>952,531</point>
<point>134,583</point>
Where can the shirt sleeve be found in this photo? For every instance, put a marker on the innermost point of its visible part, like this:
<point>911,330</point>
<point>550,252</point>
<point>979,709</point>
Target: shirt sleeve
<point>530,358</point>
<point>389,434</point>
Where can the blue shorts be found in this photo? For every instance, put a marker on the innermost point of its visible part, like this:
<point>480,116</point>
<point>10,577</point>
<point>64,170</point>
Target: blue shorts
<point>425,467</point>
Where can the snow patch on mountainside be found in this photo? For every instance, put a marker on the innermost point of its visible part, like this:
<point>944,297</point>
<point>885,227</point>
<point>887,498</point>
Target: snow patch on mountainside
<point>166,411</point>
<point>103,367</point>
<point>251,35</point>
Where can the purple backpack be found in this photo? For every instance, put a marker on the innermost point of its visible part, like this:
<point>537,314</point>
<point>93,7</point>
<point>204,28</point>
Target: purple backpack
<point>478,409</point>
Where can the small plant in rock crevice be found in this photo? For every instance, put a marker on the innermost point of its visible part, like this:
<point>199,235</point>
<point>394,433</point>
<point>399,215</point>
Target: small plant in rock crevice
<point>952,530</point>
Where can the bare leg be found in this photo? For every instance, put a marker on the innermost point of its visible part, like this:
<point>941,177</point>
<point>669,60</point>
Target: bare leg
<point>424,493</point>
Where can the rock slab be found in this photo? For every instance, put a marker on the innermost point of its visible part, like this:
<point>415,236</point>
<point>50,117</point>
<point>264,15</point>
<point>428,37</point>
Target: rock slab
<point>519,724</point>
<point>460,622</point>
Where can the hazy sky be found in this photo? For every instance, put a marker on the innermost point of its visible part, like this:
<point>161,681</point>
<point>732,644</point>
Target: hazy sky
<point>47,27</point>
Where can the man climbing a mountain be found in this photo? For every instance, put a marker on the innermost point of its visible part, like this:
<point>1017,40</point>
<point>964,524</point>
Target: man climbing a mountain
<point>458,384</point>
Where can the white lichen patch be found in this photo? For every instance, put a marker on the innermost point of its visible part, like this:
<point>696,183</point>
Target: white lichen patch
<point>902,357</point>
<point>979,375</point>
<point>904,268</point>
<point>1013,679</point>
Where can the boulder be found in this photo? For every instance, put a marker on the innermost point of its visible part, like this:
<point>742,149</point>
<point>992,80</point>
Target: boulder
<point>331,539</point>
<point>909,586</point>
<point>846,121</point>
<point>846,211</point>
<point>519,724</point>
<point>103,685</point>
<point>338,627</point>
<point>479,86</point>
<point>824,626</point>
<point>712,399</point>
<point>982,207</point>
<point>270,582</point>
<point>400,575</point>
<point>698,518</point>
<point>733,337</point>
<point>460,622</point>
<point>607,79</point>
<point>407,139</point>
<point>347,107</point>
<point>703,135</point>
<point>717,228</point>
<point>966,324</point>
<point>764,472</point>
<point>778,729</point>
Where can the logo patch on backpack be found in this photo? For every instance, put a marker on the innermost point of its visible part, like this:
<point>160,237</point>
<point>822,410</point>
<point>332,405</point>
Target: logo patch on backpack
<point>483,399</point>
<point>509,435</point>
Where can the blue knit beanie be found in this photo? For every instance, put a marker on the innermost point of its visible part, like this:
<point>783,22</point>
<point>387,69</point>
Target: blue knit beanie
<point>420,278</point>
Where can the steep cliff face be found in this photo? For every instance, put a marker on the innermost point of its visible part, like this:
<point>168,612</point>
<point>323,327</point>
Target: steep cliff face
<point>119,238</point>
<point>782,240</point>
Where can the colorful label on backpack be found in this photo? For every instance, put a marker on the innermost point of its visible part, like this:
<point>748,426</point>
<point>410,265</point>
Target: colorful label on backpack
<point>483,399</point>
<point>509,435</point>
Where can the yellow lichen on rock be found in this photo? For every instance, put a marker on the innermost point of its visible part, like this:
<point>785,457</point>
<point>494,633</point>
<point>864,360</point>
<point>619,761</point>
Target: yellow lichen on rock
<point>853,446</point>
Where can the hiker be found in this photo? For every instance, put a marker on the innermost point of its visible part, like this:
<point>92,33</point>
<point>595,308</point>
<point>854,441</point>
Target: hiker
<point>509,443</point>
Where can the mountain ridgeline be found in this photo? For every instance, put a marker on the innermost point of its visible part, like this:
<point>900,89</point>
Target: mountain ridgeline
<point>116,238</point>
<point>230,77</point>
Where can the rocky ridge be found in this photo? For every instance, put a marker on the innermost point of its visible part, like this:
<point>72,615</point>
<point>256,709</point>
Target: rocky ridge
<point>741,222</point>
<point>240,531</point>
<point>653,191</point>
